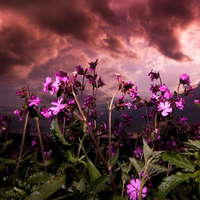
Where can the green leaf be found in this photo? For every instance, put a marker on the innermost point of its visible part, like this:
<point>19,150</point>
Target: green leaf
<point>40,177</point>
<point>70,155</point>
<point>5,144</point>
<point>179,160</point>
<point>114,158</point>
<point>93,171</point>
<point>7,161</point>
<point>147,150</point>
<point>80,186</point>
<point>56,130</point>
<point>138,165</point>
<point>195,145</point>
<point>47,189</point>
<point>170,182</point>
<point>99,183</point>
<point>108,103</point>
<point>154,170</point>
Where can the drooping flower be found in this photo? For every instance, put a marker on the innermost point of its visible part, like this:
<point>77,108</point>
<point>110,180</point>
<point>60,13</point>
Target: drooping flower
<point>58,107</point>
<point>34,101</point>
<point>119,77</point>
<point>18,114</point>
<point>165,108</point>
<point>133,189</point>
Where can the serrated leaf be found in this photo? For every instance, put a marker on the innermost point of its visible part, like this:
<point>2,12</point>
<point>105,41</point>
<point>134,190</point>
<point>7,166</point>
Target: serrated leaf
<point>56,130</point>
<point>147,150</point>
<point>48,189</point>
<point>195,145</point>
<point>99,183</point>
<point>170,182</point>
<point>40,177</point>
<point>70,155</point>
<point>179,160</point>
<point>154,170</point>
<point>138,165</point>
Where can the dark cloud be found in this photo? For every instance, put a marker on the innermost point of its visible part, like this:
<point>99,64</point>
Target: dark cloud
<point>106,13</point>
<point>158,21</point>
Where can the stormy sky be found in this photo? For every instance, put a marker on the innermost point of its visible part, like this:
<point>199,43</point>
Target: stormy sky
<point>39,38</point>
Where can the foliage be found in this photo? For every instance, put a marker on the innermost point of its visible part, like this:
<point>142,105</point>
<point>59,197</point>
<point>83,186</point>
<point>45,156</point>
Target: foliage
<point>83,158</point>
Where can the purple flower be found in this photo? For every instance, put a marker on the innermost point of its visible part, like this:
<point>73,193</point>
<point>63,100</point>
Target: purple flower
<point>165,108</point>
<point>18,114</point>
<point>133,189</point>
<point>180,103</point>
<point>34,101</point>
<point>119,77</point>
<point>100,82</point>
<point>58,107</point>
<point>163,88</point>
<point>46,85</point>
<point>153,75</point>
<point>55,86</point>
<point>184,79</point>
<point>46,113</point>
<point>167,94</point>
<point>129,105</point>
<point>93,65</point>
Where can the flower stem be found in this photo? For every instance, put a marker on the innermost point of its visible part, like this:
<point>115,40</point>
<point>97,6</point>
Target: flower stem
<point>110,129</point>
<point>22,146</point>
<point>40,138</point>
<point>96,144</point>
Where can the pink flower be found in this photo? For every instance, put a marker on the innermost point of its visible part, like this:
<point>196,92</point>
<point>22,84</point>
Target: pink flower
<point>46,84</point>
<point>180,103</point>
<point>129,105</point>
<point>119,77</point>
<point>167,94</point>
<point>46,113</point>
<point>34,101</point>
<point>55,86</point>
<point>18,114</point>
<point>133,189</point>
<point>163,88</point>
<point>58,107</point>
<point>184,79</point>
<point>165,108</point>
<point>196,101</point>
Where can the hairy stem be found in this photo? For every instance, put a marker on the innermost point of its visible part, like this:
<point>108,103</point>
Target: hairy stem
<point>40,138</point>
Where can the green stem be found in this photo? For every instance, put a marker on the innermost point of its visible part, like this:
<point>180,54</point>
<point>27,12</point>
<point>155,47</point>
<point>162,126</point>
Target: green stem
<point>23,137</point>
<point>96,144</point>
<point>22,146</point>
<point>110,129</point>
<point>40,138</point>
